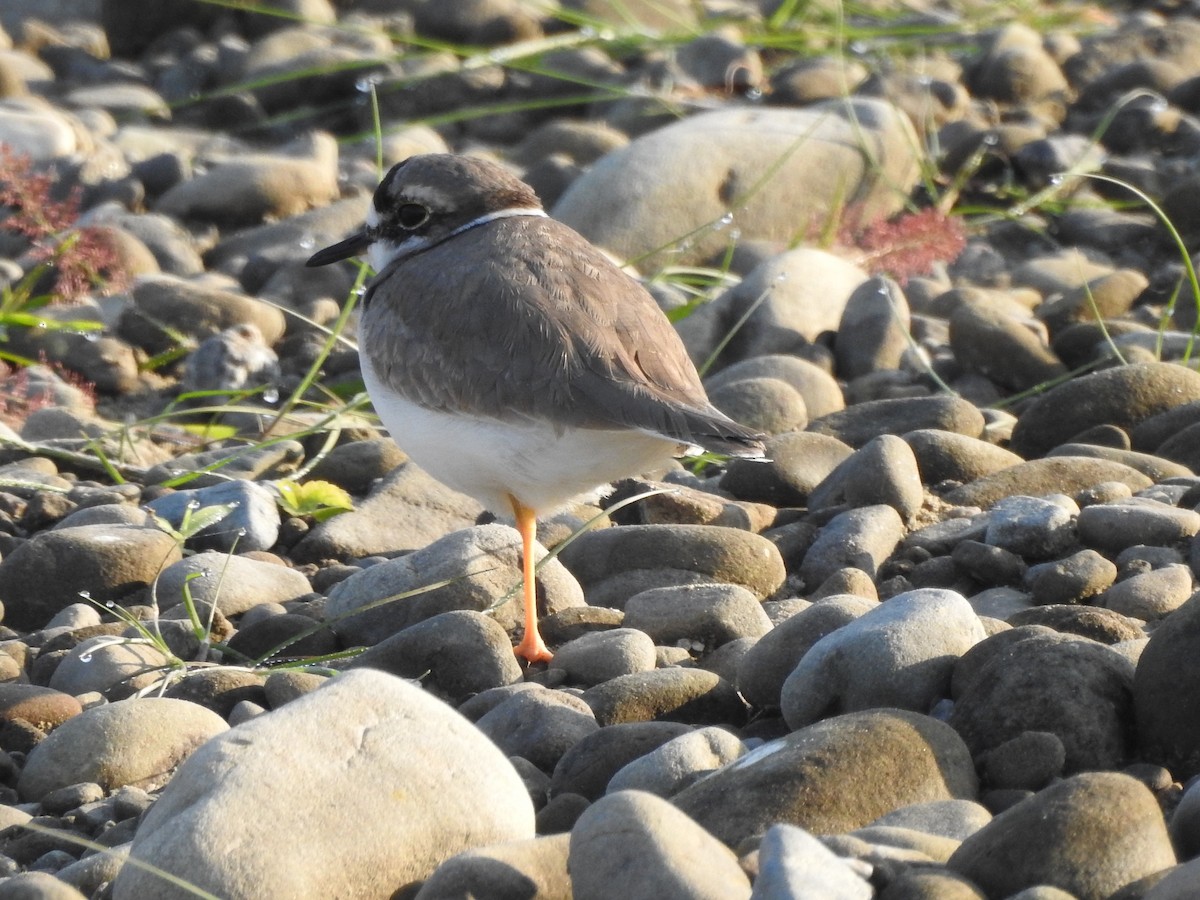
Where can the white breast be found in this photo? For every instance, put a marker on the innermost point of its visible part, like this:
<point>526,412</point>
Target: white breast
<point>489,459</point>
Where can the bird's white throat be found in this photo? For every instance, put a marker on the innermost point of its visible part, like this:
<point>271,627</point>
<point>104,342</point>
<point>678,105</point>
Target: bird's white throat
<point>381,253</point>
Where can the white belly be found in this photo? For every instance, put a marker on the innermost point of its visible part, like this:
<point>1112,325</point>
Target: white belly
<point>489,459</point>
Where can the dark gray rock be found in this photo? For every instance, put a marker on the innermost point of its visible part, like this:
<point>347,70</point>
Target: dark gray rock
<point>694,696</point>
<point>1074,688</point>
<point>1090,835</point>
<point>896,758</point>
<point>1122,396</point>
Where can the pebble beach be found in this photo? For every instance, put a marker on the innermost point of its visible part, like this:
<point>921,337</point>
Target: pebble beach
<point>940,646</point>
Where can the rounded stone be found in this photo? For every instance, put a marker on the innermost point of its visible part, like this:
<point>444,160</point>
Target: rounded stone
<point>946,456</point>
<point>134,742</point>
<point>1029,761</point>
<point>708,614</point>
<point>52,569</point>
<point>1030,527</point>
<point>679,762</point>
<point>1166,693</point>
<point>793,863</point>
<point>164,305</point>
<point>538,725</point>
<point>858,538</point>
<point>1089,835</point>
<point>1122,396</point>
<point>768,405</point>
<point>1002,348</point>
<point>1053,475</point>
<point>872,335</point>
<point>612,561</point>
<point>459,792</point>
<point>858,424</point>
<point>586,768</point>
<point>42,707</point>
<point>1152,595</point>
<point>1114,526</point>
<point>594,658</point>
<point>632,843</point>
<point>899,654</point>
<point>1071,579</point>
<point>619,203</point>
<point>819,390</point>
<point>766,666</point>
<point>1071,687</point>
<point>455,654</point>
<point>481,564</point>
<point>884,471</point>
<point>798,462</point>
<point>694,696</point>
<point>895,758</point>
<point>508,869</point>
<point>233,583</point>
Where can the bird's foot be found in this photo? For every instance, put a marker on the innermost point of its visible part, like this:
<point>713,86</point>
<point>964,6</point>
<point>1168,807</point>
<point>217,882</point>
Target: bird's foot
<point>533,648</point>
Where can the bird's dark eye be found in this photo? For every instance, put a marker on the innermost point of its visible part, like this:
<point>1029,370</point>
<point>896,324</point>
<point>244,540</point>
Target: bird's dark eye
<point>411,215</point>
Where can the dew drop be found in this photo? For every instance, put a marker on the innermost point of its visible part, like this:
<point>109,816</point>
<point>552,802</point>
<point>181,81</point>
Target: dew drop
<point>753,94</point>
<point>110,604</point>
<point>271,395</point>
<point>1057,179</point>
<point>86,595</point>
<point>193,504</point>
<point>735,234</point>
<point>360,290</point>
<point>307,241</point>
<point>991,140</point>
<point>241,532</point>
<point>365,83</point>
<point>85,657</point>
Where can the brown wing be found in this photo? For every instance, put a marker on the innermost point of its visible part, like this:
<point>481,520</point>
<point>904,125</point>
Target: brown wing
<point>524,317</point>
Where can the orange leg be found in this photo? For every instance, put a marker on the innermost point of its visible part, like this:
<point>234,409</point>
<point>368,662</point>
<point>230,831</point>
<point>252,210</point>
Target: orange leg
<point>532,647</point>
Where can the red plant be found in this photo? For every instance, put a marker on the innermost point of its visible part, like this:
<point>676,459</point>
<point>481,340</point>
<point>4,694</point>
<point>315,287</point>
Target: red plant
<point>908,244</point>
<point>84,258</point>
<point>24,391</point>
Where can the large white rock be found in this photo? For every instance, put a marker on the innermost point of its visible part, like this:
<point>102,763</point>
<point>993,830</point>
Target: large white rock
<point>900,654</point>
<point>779,170</point>
<point>356,790</point>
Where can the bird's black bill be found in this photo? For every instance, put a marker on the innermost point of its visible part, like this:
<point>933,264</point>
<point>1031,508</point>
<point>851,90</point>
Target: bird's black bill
<point>351,246</point>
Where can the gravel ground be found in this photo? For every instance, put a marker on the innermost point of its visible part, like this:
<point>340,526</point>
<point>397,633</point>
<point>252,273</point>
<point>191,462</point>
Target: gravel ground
<point>942,645</point>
